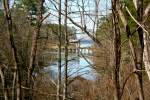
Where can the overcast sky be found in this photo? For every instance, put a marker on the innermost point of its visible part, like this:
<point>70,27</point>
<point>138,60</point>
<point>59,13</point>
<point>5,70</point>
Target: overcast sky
<point>89,6</point>
<point>11,3</point>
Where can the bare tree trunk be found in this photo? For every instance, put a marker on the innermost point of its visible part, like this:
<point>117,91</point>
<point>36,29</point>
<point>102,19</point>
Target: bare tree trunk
<point>33,52</point>
<point>59,54</point>
<point>95,27</point>
<point>141,48</point>
<point>13,86</point>
<point>4,84</point>
<point>66,52</point>
<point>117,50</point>
<point>137,56</point>
<point>146,54</point>
<point>134,55</point>
<point>13,48</point>
<point>139,6</point>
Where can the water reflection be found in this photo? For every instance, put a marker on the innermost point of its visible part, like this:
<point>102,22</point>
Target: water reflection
<point>77,66</point>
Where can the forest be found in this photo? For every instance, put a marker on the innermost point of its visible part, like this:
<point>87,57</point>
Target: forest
<point>74,49</point>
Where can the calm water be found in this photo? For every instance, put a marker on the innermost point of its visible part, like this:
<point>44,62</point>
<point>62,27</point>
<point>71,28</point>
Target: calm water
<point>86,43</point>
<point>78,66</point>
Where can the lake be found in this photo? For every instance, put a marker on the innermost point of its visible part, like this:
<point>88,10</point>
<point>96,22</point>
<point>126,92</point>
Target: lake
<point>77,65</point>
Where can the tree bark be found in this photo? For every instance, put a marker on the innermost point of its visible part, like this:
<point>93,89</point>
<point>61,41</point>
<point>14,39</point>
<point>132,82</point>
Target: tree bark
<point>13,49</point>
<point>33,52</point>
<point>141,48</point>
<point>146,54</point>
<point>4,84</point>
<point>137,56</point>
<point>117,50</point>
<point>66,52</point>
<point>59,54</point>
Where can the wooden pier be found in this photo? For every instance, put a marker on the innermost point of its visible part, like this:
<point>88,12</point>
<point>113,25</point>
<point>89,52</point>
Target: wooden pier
<point>73,47</point>
<point>83,50</point>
